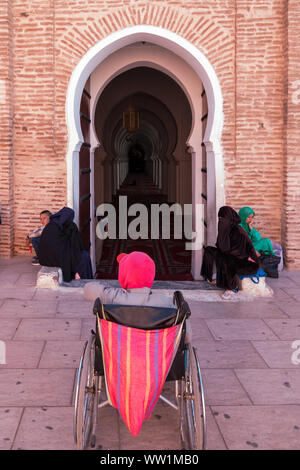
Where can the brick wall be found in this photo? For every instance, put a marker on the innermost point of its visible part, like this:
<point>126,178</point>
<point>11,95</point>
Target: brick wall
<point>251,45</point>
<point>6,130</point>
<point>291,153</point>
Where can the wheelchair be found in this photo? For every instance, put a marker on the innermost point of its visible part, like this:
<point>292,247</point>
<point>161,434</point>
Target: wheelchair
<point>184,372</point>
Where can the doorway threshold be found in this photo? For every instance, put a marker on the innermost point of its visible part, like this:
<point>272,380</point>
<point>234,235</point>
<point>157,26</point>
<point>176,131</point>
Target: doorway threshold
<point>159,285</point>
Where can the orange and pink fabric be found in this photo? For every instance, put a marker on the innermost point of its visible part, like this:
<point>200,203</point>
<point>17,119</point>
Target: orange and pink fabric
<point>136,364</point>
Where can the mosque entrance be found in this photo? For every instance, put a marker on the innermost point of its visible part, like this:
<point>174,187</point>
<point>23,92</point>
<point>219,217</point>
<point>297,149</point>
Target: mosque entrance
<point>174,154</point>
<point>143,119</point>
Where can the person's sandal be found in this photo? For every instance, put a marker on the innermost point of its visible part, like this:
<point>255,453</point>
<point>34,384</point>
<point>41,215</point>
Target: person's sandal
<point>228,294</point>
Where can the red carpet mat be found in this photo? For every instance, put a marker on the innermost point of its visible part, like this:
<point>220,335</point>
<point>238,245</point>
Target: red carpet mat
<point>171,259</point>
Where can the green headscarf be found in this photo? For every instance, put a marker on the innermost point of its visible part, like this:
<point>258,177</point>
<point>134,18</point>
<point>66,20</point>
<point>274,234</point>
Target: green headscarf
<point>244,213</point>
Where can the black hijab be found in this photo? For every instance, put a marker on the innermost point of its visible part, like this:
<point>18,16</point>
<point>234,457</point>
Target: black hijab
<point>232,238</point>
<point>61,244</point>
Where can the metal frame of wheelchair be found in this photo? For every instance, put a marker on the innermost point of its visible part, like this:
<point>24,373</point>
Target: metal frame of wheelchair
<point>188,399</point>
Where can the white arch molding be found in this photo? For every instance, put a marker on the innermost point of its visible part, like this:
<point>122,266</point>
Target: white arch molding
<point>212,139</point>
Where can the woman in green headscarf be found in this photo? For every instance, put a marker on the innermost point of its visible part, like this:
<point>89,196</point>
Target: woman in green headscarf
<point>262,245</point>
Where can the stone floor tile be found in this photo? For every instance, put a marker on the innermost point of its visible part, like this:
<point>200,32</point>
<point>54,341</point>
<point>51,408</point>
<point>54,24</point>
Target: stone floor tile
<point>229,355</point>
<point>61,354</point>
<point>46,428</point>
<point>260,308</point>
<point>240,329</point>
<point>214,438</point>
<point>108,429</point>
<point>7,278</point>
<point>28,308</point>
<point>221,387</point>
<point>281,282</point>
<point>22,354</point>
<point>9,421</point>
<point>36,387</point>
<point>43,295</point>
<point>8,328</point>
<point>259,427</point>
<point>75,308</point>
<point>200,332</point>
<point>22,293</point>
<point>291,309</point>
<point>160,432</point>
<point>88,324</point>
<point>288,329</point>
<point>278,354</point>
<point>271,386</point>
<point>293,292</point>
<point>48,329</point>
<point>208,309</point>
<point>26,279</point>
<point>281,294</point>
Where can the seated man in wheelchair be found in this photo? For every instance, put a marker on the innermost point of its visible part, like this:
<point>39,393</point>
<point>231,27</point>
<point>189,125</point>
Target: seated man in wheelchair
<point>142,339</point>
<point>136,276</point>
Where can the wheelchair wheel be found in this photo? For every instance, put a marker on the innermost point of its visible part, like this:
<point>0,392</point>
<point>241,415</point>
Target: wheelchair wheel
<point>192,404</point>
<point>86,400</point>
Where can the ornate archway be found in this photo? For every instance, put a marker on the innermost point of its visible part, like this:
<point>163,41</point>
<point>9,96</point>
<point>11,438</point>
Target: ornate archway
<point>200,66</point>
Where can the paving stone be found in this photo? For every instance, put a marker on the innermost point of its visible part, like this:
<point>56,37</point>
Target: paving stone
<point>8,328</point>
<point>26,279</point>
<point>88,324</point>
<point>229,355</point>
<point>214,438</point>
<point>200,331</point>
<point>291,309</point>
<point>28,308</point>
<point>160,432</point>
<point>36,387</point>
<point>221,386</point>
<point>48,329</point>
<point>22,354</point>
<point>46,429</point>
<point>259,427</point>
<point>293,292</point>
<point>278,354</point>
<point>75,308</point>
<point>271,386</point>
<point>240,329</point>
<point>7,278</point>
<point>9,421</point>
<point>45,294</point>
<point>61,354</point>
<point>288,329</point>
<point>281,294</point>
<point>260,309</point>
<point>108,429</point>
<point>22,293</point>
<point>282,282</point>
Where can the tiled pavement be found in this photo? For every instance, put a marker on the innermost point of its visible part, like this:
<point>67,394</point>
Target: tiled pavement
<point>252,386</point>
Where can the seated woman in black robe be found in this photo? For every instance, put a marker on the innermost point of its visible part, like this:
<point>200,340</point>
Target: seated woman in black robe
<point>61,246</point>
<point>234,253</point>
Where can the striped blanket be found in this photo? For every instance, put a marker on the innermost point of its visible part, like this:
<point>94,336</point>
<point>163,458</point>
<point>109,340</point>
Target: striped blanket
<point>136,364</point>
